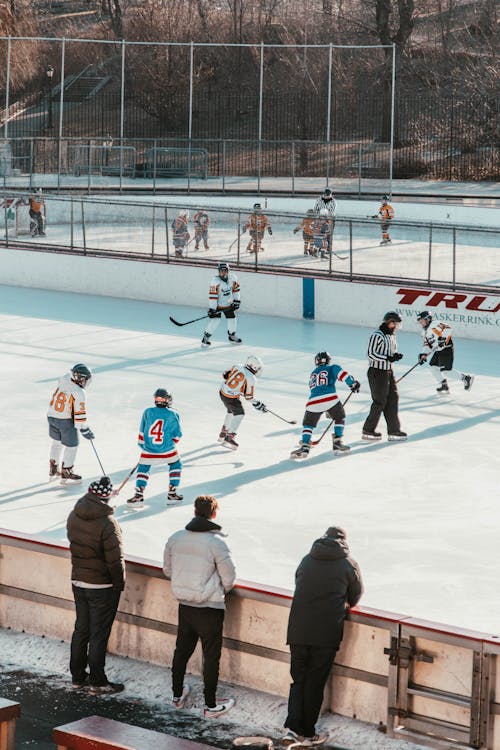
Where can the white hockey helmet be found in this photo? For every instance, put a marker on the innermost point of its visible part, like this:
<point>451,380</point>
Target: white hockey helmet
<point>254,364</point>
<point>184,213</point>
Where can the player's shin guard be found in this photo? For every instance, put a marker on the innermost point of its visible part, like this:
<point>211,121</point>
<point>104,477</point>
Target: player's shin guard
<point>212,325</point>
<point>235,422</point>
<point>69,456</point>
<point>306,435</point>
<point>56,450</point>
<point>174,473</point>
<point>142,476</point>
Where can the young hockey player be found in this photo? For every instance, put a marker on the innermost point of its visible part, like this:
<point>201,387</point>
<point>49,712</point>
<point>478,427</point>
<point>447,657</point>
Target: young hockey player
<point>224,297</point>
<point>438,344</point>
<point>201,221</point>
<point>181,234</point>
<point>323,398</point>
<point>257,224</point>
<point>37,214</point>
<point>238,381</point>
<point>66,417</point>
<point>322,233</point>
<point>386,215</point>
<point>159,434</point>
<point>307,231</point>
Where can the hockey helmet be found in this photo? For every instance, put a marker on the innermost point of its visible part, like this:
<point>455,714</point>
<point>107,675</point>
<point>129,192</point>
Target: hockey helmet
<point>393,317</point>
<point>162,398</point>
<point>257,207</point>
<point>254,364</point>
<point>223,271</point>
<point>81,375</point>
<point>384,198</point>
<point>323,358</point>
<point>184,214</point>
<point>327,193</point>
<point>424,318</point>
<point>310,211</point>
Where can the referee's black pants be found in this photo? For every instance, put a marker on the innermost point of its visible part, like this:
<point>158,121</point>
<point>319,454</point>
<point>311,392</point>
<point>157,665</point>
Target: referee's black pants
<point>385,400</point>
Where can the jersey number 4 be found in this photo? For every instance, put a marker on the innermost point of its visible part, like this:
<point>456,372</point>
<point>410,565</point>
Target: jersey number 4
<point>156,431</point>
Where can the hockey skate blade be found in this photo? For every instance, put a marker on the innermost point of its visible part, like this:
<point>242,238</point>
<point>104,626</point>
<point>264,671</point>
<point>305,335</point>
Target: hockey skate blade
<point>229,447</point>
<point>69,482</point>
<point>299,458</point>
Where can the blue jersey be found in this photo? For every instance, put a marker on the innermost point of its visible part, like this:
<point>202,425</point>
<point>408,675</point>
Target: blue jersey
<point>322,383</point>
<point>159,432</point>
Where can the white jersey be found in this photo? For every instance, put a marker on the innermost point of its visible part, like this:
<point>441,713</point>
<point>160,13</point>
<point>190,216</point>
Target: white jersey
<point>436,336</point>
<point>238,381</point>
<point>330,206</point>
<point>223,293</point>
<point>68,402</point>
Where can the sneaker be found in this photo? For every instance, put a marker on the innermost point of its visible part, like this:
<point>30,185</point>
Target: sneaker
<point>468,380</point>
<point>316,739</point>
<point>398,435</point>
<point>138,497</point>
<point>173,497</point>
<point>53,470</point>
<point>443,388</point>
<point>181,701</point>
<point>230,442</point>
<point>233,338</point>
<point>371,435</point>
<point>339,447</point>
<point>68,475</point>
<point>301,452</point>
<point>219,709</point>
<point>107,689</point>
<point>206,340</point>
<point>222,434</point>
<point>291,738</point>
<point>79,684</point>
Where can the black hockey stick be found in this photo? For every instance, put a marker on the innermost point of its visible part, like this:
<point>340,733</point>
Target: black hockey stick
<point>408,372</point>
<point>340,257</point>
<point>98,459</point>
<point>188,322</point>
<point>131,472</point>
<point>233,243</point>
<point>263,408</point>
<point>316,442</point>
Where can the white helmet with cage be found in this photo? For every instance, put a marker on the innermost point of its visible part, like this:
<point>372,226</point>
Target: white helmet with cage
<point>254,364</point>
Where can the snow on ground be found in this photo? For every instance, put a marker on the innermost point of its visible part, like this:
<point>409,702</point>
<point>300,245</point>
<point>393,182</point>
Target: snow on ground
<point>421,516</point>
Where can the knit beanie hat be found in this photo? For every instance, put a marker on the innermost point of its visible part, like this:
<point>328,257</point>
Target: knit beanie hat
<point>102,488</point>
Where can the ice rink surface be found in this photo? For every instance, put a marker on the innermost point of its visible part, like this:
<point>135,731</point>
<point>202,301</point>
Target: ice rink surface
<point>422,517</point>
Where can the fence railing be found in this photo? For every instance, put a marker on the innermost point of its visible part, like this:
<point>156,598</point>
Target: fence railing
<point>352,248</point>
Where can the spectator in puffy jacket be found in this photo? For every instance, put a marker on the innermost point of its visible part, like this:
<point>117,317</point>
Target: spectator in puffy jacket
<point>98,578</point>
<point>198,562</point>
<point>327,582</point>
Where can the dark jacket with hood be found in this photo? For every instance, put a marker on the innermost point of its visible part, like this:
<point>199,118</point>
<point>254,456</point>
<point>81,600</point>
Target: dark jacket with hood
<point>96,543</point>
<point>326,581</point>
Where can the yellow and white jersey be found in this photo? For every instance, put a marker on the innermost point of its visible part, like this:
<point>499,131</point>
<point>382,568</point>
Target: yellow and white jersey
<point>238,381</point>
<point>68,402</point>
<point>436,336</point>
<point>223,293</point>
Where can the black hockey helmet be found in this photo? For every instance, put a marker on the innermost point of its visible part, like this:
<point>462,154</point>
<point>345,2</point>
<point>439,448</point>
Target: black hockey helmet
<point>257,207</point>
<point>392,317</point>
<point>81,375</point>
<point>223,270</point>
<point>323,358</point>
<point>384,198</point>
<point>425,316</point>
<point>162,398</point>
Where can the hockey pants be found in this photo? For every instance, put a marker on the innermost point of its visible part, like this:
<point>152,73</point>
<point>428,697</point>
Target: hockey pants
<point>214,322</point>
<point>311,419</point>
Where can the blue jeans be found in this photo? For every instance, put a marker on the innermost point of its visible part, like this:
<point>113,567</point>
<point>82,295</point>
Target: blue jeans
<point>95,614</point>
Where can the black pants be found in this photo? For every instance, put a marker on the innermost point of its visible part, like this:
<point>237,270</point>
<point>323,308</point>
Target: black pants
<point>205,623</point>
<point>95,614</point>
<point>309,669</point>
<point>385,400</point>
<point>233,405</point>
<point>37,219</point>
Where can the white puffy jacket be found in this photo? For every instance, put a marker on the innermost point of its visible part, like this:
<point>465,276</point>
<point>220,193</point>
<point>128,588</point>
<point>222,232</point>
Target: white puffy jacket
<point>198,562</point>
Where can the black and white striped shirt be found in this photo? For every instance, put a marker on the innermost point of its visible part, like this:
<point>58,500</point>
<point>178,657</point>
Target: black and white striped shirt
<point>380,346</point>
<point>330,206</point>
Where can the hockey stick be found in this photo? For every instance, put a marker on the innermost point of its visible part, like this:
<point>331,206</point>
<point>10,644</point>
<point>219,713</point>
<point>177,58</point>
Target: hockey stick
<point>408,372</point>
<point>233,243</point>
<point>98,459</point>
<point>340,257</point>
<point>129,475</point>
<point>288,421</point>
<point>176,322</point>
<point>316,442</point>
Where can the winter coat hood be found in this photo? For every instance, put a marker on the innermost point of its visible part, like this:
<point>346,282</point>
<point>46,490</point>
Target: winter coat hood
<point>326,548</point>
<point>90,507</point>
<point>200,523</point>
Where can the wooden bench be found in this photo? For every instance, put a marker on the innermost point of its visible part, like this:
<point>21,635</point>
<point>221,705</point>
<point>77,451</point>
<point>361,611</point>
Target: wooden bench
<point>9,713</point>
<point>98,733</point>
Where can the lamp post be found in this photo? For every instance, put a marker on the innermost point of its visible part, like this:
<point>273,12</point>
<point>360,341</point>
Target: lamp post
<point>49,72</point>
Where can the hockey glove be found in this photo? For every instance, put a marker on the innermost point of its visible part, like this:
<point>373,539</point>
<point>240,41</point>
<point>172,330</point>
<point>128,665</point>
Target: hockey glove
<point>87,433</point>
<point>295,231</point>
<point>355,386</point>
<point>243,229</point>
<point>212,313</point>
<point>259,406</point>
<point>269,230</point>
<point>226,374</point>
<point>395,357</point>
<point>236,304</point>
<point>422,358</point>
<point>375,216</point>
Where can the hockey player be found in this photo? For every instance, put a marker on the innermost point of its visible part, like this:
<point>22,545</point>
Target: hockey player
<point>307,231</point>
<point>324,398</point>
<point>322,233</point>
<point>66,417</point>
<point>386,215</point>
<point>257,224</point>
<point>326,202</point>
<point>159,434</point>
<point>181,234</point>
<point>224,297</point>
<point>201,221</point>
<point>37,214</point>
<point>238,381</point>
<point>438,344</point>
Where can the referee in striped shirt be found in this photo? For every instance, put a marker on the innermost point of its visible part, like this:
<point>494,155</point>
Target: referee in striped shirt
<point>382,352</point>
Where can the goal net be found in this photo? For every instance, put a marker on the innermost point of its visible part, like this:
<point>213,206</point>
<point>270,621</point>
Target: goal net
<point>176,162</point>
<point>14,212</point>
<point>101,160</point>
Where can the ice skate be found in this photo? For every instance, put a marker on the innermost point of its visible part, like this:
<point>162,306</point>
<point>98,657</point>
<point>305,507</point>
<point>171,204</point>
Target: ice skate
<point>230,442</point>
<point>385,242</point>
<point>301,452</point>
<point>397,435</point>
<point>69,477</point>
<point>221,708</point>
<point>137,498</point>
<point>338,446</point>
<point>443,388</point>
<point>233,338</point>
<point>173,497</point>
<point>53,470</point>
<point>222,434</point>
<point>468,380</point>
<point>371,435</point>
<point>206,340</point>
<point>180,702</point>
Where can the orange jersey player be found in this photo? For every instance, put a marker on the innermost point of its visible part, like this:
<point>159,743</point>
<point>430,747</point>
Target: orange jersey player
<point>201,221</point>
<point>307,226</point>
<point>257,224</point>
<point>238,381</point>
<point>386,215</point>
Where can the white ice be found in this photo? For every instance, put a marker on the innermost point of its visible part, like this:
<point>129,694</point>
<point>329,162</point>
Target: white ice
<point>422,516</point>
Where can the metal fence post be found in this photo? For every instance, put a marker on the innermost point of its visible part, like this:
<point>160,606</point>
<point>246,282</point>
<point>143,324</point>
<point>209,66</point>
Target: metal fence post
<point>293,167</point>
<point>83,229</point>
<point>61,106</point>
<point>224,165</point>
<point>350,250</point>
<point>190,125</point>
<point>71,215</point>
<point>328,114</point>
<point>166,233</point>
<point>261,94</point>
<point>454,258</point>
<point>359,170</point>
<point>31,163</point>
<point>122,111</point>
<point>6,211</point>
<point>429,263</point>
<point>238,244</point>
<point>7,96</point>
<point>154,167</point>
<point>153,232</point>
